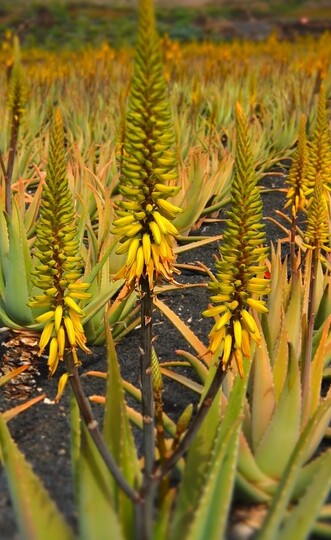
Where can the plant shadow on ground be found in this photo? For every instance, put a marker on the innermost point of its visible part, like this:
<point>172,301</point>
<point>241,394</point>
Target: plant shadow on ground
<point>43,431</point>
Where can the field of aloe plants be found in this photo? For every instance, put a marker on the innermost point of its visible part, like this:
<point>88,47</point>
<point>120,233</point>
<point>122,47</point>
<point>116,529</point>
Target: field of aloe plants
<point>128,179</point>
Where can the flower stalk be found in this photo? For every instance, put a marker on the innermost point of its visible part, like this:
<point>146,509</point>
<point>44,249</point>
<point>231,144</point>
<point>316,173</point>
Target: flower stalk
<point>239,286</point>
<point>297,181</point>
<point>58,276</point>
<point>318,224</point>
<point>16,104</point>
<point>145,215</point>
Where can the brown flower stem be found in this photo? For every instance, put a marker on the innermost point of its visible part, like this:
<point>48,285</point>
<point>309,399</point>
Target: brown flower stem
<point>147,404</point>
<point>93,428</point>
<point>196,422</point>
<point>305,375</point>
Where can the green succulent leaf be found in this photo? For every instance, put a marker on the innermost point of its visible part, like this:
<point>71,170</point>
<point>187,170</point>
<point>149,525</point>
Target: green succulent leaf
<point>277,444</point>
<point>36,512</point>
<point>92,481</point>
<point>301,520</point>
<point>118,436</point>
<point>18,276</point>
<point>263,400</point>
<point>273,522</point>
<point>208,479</point>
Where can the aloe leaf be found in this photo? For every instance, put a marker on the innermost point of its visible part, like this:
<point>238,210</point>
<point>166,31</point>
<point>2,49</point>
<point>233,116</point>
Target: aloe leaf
<point>36,513</point>
<point>186,332</point>
<point>301,520</point>
<point>271,527</point>
<point>14,411</point>
<point>276,296</point>
<point>210,518</point>
<point>181,379</point>
<point>4,241</point>
<point>280,364</point>
<point>279,440</point>
<point>118,435</point>
<point>17,292</point>
<point>196,244</point>
<point>206,489</point>
<point>320,429</point>
<point>6,320</point>
<point>99,300</point>
<point>249,469</point>
<point>197,364</point>
<point>324,307</point>
<point>293,321</point>
<point>163,519</point>
<point>307,474</point>
<point>317,368</point>
<point>93,485</point>
<point>263,394</point>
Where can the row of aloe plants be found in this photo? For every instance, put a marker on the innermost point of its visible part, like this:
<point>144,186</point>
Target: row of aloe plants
<point>228,448</point>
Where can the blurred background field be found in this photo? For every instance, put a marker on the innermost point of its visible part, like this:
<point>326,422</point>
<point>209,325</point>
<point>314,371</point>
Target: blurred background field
<point>72,24</point>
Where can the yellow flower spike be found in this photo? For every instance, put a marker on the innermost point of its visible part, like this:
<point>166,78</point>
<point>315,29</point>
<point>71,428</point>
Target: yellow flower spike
<point>146,243</point>
<point>79,285</point>
<point>222,321</point>
<point>216,339</point>
<point>81,342</point>
<point>239,362</point>
<point>123,248</point>
<point>216,310</point>
<point>61,386</point>
<point>80,295</point>
<point>245,343</point>
<point>132,251</point>
<point>248,321</point>
<point>61,339</point>
<point>70,331</point>
<point>53,356</point>
<point>75,357</point>
<point>237,330</point>
<point>140,261</point>
<point>259,305</point>
<point>127,220</point>
<point>165,226</point>
<point>45,337</point>
<point>76,321</point>
<point>156,232</point>
<point>241,263</point>
<point>170,208</point>
<point>58,317</point>
<point>227,349</point>
<point>49,315</point>
<point>71,304</point>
